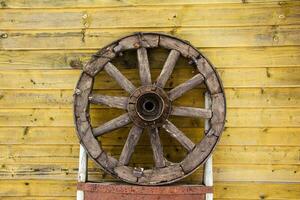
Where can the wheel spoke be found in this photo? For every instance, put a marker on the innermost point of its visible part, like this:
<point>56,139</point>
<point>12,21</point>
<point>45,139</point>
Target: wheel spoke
<point>186,86</point>
<point>156,148</point>
<point>191,112</point>
<point>111,101</point>
<point>167,68</point>
<point>111,125</point>
<point>144,68</point>
<point>179,135</point>
<point>119,77</point>
<point>132,140</point>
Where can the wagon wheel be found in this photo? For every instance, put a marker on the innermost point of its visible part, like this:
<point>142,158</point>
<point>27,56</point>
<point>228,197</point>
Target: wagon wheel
<point>149,107</point>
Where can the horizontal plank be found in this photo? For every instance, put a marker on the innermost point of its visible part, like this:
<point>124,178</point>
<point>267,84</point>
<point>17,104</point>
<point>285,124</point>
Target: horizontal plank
<point>262,118</point>
<point>229,155</point>
<point>220,57</point>
<point>236,98</point>
<point>233,172</point>
<point>66,79</point>
<point>40,197</point>
<point>36,188</point>
<point>225,190</point>
<point>230,136</point>
<point>241,190</point>
<point>110,3</point>
<point>162,16</point>
<point>97,38</point>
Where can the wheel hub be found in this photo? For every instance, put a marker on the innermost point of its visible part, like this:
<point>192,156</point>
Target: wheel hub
<point>149,106</point>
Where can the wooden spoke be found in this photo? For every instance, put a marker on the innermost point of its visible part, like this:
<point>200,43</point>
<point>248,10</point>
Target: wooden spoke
<point>191,112</point>
<point>119,77</point>
<point>111,101</point>
<point>132,140</point>
<point>186,86</point>
<point>111,125</point>
<point>167,68</point>
<point>156,148</point>
<point>144,68</point>
<point>178,135</point>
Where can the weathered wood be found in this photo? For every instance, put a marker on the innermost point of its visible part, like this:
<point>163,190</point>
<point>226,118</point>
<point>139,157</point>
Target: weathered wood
<point>125,173</point>
<point>99,60</point>
<point>179,135</point>
<point>191,112</point>
<point>218,108</point>
<point>233,78</point>
<point>119,77</point>
<point>185,49</point>
<point>214,15</point>
<point>107,162</point>
<point>167,68</point>
<point>91,144</point>
<point>236,98</point>
<point>160,175</point>
<point>120,5</point>
<point>136,41</point>
<point>210,75</point>
<point>199,154</point>
<point>242,57</point>
<point>111,125</point>
<point>111,101</point>
<point>157,148</point>
<point>143,64</point>
<point>186,86</point>
<point>255,36</point>
<point>132,140</point>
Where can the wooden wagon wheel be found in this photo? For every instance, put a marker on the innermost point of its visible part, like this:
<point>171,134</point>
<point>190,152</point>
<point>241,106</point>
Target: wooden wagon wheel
<point>148,107</point>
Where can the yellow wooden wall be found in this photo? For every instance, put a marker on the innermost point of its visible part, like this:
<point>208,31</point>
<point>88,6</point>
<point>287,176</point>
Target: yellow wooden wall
<point>254,45</point>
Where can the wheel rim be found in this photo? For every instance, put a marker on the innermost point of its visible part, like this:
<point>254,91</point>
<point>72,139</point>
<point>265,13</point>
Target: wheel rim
<point>148,107</point>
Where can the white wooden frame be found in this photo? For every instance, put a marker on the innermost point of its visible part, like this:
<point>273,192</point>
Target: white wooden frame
<point>208,169</point>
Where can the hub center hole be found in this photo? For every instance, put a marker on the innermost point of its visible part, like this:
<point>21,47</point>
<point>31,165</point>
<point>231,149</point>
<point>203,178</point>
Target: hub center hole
<point>149,106</point>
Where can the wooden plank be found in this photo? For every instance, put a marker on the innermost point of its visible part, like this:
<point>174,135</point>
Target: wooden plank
<point>235,98</point>
<point>271,155</point>
<point>231,136</point>
<point>231,172</point>
<point>36,188</point>
<point>66,79</point>
<point>42,198</point>
<point>109,3</point>
<point>162,16</point>
<point>236,117</point>
<point>241,190</point>
<point>227,190</point>
<point>210,37</point>
<point>220,57</point>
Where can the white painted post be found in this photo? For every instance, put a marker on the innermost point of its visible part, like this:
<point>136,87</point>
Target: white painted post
<point>82,171</point>
<point>208,169</point>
